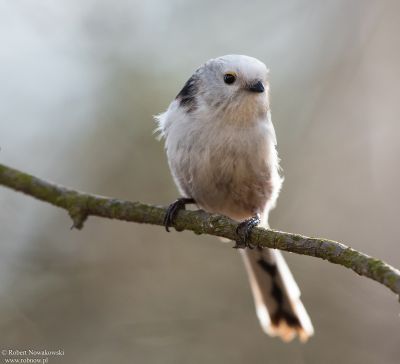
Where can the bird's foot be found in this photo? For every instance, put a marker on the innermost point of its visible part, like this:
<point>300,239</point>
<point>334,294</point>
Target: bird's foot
<point>174,208</point>
<point>243,231</point>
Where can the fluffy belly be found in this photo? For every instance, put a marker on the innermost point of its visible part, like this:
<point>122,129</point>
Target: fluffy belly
<point>239,194</point>
<point>232,184</point>
<point>228,171</point>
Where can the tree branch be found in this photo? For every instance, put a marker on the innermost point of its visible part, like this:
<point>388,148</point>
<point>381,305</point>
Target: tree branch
<point>81,205</point>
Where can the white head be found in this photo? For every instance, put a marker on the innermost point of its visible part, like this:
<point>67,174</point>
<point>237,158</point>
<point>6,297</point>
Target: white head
<point>232,87</point>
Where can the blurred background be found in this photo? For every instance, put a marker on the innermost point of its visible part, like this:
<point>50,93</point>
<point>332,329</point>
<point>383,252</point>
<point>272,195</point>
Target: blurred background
<point>79,83</point>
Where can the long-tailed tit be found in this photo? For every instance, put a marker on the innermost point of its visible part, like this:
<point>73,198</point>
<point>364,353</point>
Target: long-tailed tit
<point>221,149</point>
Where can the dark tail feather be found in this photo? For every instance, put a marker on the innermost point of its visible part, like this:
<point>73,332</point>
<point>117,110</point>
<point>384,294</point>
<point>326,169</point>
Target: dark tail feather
<point>276,295</point>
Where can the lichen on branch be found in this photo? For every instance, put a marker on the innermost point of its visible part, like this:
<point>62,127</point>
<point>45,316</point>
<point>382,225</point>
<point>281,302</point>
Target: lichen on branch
<point>80,205</point>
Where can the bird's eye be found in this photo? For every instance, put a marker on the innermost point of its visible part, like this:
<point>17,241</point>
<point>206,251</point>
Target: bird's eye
<point>229,78</point>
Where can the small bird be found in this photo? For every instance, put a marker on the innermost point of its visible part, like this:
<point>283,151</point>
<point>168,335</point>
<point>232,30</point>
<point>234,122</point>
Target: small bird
<point>221,149</point>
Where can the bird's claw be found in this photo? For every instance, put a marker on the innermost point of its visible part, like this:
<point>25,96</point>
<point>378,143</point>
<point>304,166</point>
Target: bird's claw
<point>243,230</point>
<point>173,210</point>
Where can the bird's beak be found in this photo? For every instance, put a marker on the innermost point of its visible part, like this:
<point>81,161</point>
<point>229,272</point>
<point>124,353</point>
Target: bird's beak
<point>256,86</point>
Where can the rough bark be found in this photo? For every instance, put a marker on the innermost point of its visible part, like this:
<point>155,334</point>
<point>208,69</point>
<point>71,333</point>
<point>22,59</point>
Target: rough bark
<point>81,205</point>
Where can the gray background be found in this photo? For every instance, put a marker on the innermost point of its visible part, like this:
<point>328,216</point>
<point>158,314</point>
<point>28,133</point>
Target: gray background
<point>79,83</point>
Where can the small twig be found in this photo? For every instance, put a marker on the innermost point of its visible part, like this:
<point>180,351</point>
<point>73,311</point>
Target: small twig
<point>81,205</point>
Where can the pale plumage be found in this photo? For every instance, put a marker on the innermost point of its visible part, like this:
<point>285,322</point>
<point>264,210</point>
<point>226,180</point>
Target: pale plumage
<point>221,148</point>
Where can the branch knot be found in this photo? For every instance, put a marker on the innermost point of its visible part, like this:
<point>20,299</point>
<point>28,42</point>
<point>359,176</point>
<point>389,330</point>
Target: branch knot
<point>78,216</point>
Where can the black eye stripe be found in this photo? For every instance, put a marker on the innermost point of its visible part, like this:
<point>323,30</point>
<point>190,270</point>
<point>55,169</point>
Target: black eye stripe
<point>229,78</point>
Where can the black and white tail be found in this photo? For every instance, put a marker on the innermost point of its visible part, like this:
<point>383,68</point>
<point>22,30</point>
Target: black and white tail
<point>276,295</point>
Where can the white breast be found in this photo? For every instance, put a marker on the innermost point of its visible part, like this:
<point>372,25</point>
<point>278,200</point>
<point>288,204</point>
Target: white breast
<point>226,168</point>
